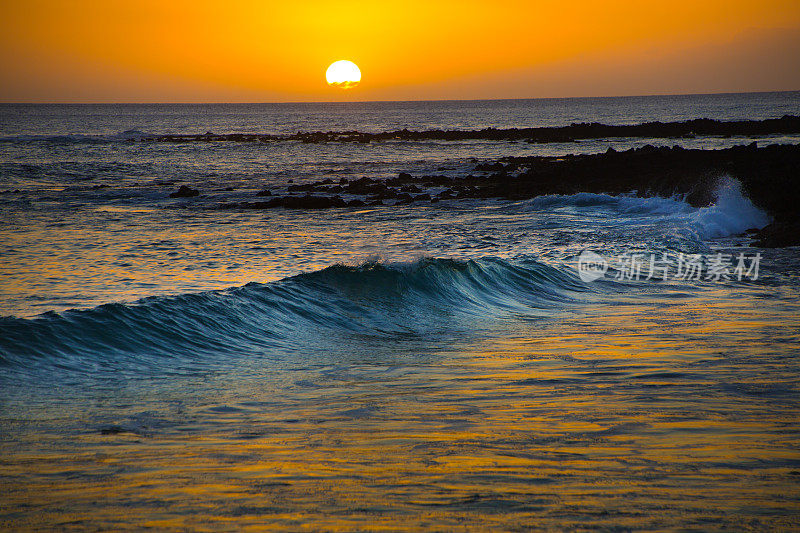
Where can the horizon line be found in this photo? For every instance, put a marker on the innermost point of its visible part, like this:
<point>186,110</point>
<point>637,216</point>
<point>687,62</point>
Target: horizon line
<point>724,93</point>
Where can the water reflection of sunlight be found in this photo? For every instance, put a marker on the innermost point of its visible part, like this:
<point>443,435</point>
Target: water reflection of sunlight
<point>594,421</point>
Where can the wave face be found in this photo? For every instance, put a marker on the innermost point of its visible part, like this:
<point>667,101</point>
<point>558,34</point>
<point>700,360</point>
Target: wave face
<point>306,311</point>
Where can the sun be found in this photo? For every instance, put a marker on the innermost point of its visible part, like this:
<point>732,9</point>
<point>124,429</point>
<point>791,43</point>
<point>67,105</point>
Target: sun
<point>343,74</point>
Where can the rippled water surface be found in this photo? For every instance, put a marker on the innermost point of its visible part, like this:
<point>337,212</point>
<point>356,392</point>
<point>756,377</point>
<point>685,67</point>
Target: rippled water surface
<point>168,365</point>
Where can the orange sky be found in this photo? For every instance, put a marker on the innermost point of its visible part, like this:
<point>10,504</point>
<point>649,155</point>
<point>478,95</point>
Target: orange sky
<point>254,51</point>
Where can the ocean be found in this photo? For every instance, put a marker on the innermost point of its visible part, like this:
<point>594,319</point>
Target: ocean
<point>585,361</point>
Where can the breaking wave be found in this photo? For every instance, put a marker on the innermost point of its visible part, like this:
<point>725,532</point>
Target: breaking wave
<point>424,299</point>
<point>732,212</point>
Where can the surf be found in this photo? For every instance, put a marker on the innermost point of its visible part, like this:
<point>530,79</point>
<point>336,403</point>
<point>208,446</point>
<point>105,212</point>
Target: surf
<point>416,299</point>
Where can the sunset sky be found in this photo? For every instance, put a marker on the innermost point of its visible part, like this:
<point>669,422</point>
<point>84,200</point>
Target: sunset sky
<point>265,51</point>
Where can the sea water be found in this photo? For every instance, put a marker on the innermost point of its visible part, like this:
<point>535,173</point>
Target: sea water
<point>168,364</point>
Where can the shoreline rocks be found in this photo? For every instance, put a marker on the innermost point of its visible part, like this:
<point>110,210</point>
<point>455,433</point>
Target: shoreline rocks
<point>770,177</point>
<point>788,124</point>
<point>184,192</point>
<point>779,234</point>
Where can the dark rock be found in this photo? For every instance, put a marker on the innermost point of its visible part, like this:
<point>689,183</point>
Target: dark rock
<point>779,234</point>
<point>312,202</point>
<point>404,198</point>
<point>433,181</point>
<point>490,167</point>
<point>365,186</point>
<point>275,202</point>
<point>184,192</point>
<point>387,195</point>
<point>306,187</point>
<point>466,192</point>
<point>648,149</point>
<point>265,192</point>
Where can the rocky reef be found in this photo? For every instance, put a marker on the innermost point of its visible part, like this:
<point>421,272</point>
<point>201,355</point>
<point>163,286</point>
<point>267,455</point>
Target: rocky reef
<point>770,176</point>
<point>788,124</point>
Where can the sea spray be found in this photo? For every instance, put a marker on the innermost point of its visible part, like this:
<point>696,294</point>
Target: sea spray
<point>732,213</point>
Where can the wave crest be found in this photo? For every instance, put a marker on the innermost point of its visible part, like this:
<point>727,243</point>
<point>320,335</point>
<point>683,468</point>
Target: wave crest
<point>302,312</point>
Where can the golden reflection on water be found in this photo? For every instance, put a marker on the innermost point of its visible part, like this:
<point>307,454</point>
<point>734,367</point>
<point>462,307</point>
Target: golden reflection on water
<point>93,261</point>
<point>626,419</point>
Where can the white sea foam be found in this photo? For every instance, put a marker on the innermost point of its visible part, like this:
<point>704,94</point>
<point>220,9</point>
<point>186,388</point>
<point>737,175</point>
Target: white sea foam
<point>622,204</point>
<point>732,212</point>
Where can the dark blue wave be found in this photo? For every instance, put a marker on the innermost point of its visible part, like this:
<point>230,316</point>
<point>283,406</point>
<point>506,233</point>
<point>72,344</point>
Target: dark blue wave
<point>430,297</point>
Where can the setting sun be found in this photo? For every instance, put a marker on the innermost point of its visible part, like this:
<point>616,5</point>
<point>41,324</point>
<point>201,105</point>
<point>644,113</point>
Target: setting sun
<point>343,74</point>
